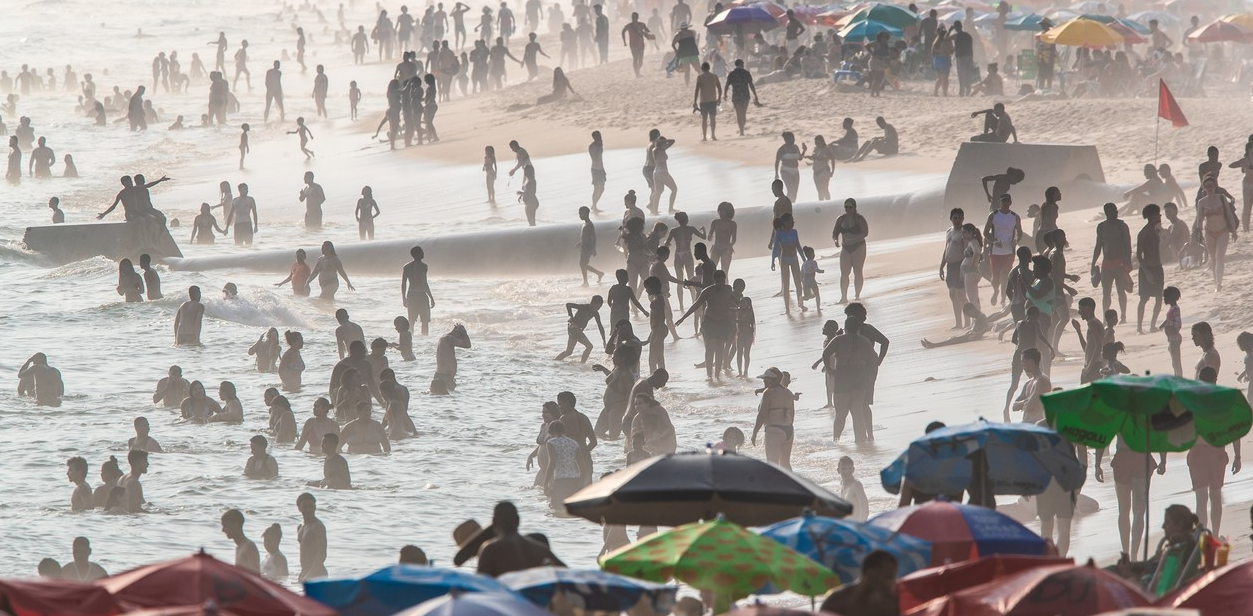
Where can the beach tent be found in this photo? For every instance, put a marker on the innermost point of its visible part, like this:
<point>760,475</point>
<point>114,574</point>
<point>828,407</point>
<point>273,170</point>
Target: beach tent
<point>395,588</point>
<point>200,579</point>
<point>688,487</point>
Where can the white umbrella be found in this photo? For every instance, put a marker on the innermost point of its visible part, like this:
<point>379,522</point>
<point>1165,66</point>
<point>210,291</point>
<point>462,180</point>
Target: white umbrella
<point>475,604</point>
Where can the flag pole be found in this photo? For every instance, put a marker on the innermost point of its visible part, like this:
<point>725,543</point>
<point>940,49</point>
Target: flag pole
<point>1157,131</point>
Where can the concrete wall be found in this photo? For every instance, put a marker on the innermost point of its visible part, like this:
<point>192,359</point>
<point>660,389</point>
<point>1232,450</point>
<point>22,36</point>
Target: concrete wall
<point>115,240</point>
<point>1064,166</point>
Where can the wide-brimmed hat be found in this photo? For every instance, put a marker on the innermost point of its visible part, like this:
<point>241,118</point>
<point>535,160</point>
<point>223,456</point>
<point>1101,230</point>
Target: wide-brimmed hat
<point>772,373</point>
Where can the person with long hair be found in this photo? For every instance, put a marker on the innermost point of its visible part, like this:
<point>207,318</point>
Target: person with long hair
<point>941,60</point>
<point>722,232</point>
<point>1216,210</point>
<point>489,170</point>
<point>130,284</point>
<point>429,106</point>
<point>972,253</point>
<point>661,174</point>
<point>328,271</point>
<point>823,161</point>
<point>527,195</point>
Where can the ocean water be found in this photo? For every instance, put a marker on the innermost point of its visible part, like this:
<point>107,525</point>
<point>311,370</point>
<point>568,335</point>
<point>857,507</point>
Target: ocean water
<point>472,445</point>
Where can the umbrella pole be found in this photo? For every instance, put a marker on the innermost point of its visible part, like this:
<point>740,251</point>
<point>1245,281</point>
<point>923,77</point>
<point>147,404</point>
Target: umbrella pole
<point>1148,481</point>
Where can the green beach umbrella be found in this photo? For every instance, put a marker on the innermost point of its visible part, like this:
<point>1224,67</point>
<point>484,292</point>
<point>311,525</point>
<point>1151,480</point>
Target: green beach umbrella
<point>723,558</point>
<point>1153,414</point>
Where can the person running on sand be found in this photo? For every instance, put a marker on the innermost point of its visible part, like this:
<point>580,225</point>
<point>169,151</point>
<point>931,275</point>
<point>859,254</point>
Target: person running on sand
<point>187,321</point>
<point>887,145</point>
<point>311,535</point>
<point>776,413</point>
<point>580,315</point>
<point>306,136</point>
<point>638,33</point>
<point>415,290</point>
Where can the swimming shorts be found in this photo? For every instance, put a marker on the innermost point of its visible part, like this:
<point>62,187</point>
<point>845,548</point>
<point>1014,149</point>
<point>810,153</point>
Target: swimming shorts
<point>953,275</point>
<point>1207,465</point>
<point>598,176</point>
<point>1152,279</point>
<point>709,109</point>
<point>717,330</point>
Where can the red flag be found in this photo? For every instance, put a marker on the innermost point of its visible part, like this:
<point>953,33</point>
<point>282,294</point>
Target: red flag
<point>1167,108</point>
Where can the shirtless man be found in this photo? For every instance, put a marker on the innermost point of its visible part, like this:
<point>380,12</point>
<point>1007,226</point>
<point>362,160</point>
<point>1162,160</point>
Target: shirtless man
<point>580,315</point>
<point>776,413</point>
<point>415,291</point>
<point>621,299</point>
<point>580,429</point>
<point>81,569</point>
<point>648,385</point>
<point>524,157</point>
<point>311,534</point>
<point>874,592</point>
<point>143,440</point>
<point>347,333</point>
<point>997,126</point>
<point>365,435</point>
<point>705,101</point>
<point>188,319</point>
<point>887,145</point>
<point>1113,238</point>
<point>357,359</point>
<point>274,92</point>
<point>313,197</point>
<point>335,474</point>
<point>76,472</point>
<point>509,551</point>
<point>1152,275</point>
<point>260,465</point>
<point>587,244</point>
<point>243,214</point>
<point>41,160</point>
<point>1093,343</point>
<point>171,389</point>
<point>45,381</point>
<point>638,33</point>
<point>596,150</point>
<point>850,357</point>
<point>445,379</point>
<point>152,278</point>
<point>246,554</point>
<point>717,324</point>
<point>129,482</point>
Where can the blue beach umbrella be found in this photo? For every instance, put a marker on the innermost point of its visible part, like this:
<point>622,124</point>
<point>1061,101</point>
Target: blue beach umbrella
<point>888,14</point>
<point>860,31</point>
<point>1137,27</point>
<point>589,589</point>
<point>841,545</point>
<point>1021,459</point>
<point>392,589</point>
<point>1025,23</point>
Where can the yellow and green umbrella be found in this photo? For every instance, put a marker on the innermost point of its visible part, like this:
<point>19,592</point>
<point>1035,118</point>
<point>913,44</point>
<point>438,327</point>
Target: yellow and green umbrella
<point>723,558</point>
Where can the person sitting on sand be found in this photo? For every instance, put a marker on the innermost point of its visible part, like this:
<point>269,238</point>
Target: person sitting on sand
<point>260,465</point>
<point>888,144</point>
<point>992,85</point>
<point>872,594</point>
<point>846,147</point>
<point>997,125</point>
<point>561,85</point>
<point>142,440</point>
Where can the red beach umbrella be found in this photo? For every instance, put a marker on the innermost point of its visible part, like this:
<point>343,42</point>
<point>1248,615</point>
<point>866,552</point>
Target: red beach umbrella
<point>922,586</point>
<point>1072,590</point>
<point>960,532</point>
<point>55,598</point>
<point>1220,31</point>
<point>200,579</point>
<point>1222,591</point>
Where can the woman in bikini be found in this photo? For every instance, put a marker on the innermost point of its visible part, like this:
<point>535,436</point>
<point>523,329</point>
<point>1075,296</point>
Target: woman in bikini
<point>850,234</point>
<point>723,232</point>
<point>787,164</point>
<point>681,237</point>
<point>786,251</point>
<point>823,160</point>
<point>661,174</point>
<point>328,270</point>
<point>1217,212</point>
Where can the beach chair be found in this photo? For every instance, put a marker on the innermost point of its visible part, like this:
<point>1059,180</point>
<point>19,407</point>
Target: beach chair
<point>1177,567</point>
<point>1027,65</point>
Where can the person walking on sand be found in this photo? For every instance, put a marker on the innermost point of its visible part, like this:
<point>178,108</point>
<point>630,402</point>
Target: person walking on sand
<point>274,92</point>
<point>786,251</point>
<point>580,315</point>
<point>188,319</point>
<point>1217,211</point>
<point>1152,276</point>
<point>328,270</point>
<point>306,136</point>
<point>1113,239</point>
<point>739,85</point>
<point>776,413</point>
<point>705,101</point>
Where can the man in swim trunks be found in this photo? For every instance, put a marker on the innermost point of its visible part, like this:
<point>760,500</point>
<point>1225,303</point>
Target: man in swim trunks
<point>705,100</point>
<point>1152,276</point>
<point>887,145</point>
<point>717,324</point>
<point>776,414</point>
<point>415,291</point>
<point>1003,232</point>
<point>243,215</point>
<point>445,379</point>
<point>950,265</point>
<point>580,315</point>
<point>46,380</point>
<point>1113,238</point>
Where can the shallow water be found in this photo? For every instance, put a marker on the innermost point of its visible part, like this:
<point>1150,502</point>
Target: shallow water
<point>473,445</point>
